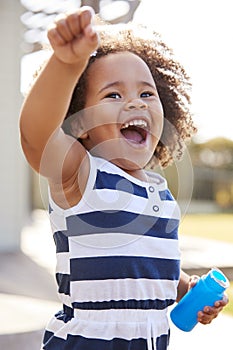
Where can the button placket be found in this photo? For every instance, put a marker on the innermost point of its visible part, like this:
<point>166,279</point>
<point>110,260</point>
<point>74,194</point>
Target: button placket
<point>151,189</point>
<point>155,208</point>
<point>153,198</point>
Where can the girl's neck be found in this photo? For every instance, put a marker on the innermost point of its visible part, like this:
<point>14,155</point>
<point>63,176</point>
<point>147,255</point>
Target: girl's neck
<point>138,174</point>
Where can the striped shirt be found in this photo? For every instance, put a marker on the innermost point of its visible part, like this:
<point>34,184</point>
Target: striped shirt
<point>117,263</point>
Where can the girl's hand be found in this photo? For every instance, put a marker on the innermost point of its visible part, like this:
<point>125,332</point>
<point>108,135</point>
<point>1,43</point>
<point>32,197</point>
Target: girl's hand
<point>207,315</point>
<point>73,37</point>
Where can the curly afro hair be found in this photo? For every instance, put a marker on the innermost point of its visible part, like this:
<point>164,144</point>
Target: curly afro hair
<point>172,82</point>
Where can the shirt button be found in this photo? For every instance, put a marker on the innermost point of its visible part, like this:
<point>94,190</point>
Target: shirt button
<point>151,189</point>
<point>155,208</point>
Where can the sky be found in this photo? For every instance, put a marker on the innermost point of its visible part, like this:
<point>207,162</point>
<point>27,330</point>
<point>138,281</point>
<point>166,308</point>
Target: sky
<point>200,32</point>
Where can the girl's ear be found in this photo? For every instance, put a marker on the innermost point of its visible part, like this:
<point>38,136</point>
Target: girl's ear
<point>78,130</point>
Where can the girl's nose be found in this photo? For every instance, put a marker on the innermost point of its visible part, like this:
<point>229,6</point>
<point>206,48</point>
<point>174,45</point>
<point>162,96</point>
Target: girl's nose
<point>136,104</point>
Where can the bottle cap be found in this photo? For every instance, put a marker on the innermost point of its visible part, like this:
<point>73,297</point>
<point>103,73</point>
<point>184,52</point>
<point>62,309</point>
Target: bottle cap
<point>217,280</point>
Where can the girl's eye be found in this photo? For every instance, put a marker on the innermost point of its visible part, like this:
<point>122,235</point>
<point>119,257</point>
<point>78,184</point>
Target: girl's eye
<point>114,95</point>
<point>147,94</point>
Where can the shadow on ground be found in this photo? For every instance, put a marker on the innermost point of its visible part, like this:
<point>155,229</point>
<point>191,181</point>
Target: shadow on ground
<point>20,275</point>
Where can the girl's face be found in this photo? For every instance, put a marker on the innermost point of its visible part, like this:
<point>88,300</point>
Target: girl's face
<point>123,116</point>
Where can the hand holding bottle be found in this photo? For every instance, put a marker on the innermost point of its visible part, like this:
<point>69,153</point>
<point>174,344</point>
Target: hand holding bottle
<point>203,302</point>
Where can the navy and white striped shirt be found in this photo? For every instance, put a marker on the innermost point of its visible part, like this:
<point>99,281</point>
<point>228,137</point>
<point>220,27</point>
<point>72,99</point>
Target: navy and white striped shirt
<point>117,259</point>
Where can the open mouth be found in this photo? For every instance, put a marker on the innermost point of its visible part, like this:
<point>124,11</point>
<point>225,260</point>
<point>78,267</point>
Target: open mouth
<point>135,131</point>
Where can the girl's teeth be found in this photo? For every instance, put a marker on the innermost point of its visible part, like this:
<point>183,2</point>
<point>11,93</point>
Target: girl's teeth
<point>141,123</point>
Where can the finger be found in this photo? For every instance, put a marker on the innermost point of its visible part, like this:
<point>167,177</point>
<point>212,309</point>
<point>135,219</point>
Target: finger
<point>73,22</point>
<point>91,33</point>
<point>220,304</point>
<point>54,37</point>
<point>210,310</point>
<point>87,43</point>
<point>193,281</point>
<point>223,302</point>
<point>86,14</point>
<point>64,30</point>
<point>205,318</point>
<point>78,22</point>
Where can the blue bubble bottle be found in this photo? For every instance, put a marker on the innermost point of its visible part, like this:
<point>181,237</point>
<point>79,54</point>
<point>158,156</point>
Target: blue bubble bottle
<point>206,292</point>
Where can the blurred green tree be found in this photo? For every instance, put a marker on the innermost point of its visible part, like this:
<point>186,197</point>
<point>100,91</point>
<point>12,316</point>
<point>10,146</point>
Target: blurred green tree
<point>213,171</point>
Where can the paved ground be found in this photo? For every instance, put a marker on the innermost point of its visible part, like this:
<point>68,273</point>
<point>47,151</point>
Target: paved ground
<point>28,290</point>
<point>217,335</point>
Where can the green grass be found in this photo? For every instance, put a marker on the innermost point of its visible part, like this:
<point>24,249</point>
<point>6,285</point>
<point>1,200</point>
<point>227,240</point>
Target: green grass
<point>211,226</point>
<point>229,308</point>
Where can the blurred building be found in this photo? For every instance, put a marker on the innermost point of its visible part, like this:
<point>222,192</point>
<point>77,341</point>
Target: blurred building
<point>14,189</point>
<point>39,14</point>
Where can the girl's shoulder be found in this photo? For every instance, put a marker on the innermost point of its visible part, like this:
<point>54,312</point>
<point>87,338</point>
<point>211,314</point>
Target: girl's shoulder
<point>105,175</point>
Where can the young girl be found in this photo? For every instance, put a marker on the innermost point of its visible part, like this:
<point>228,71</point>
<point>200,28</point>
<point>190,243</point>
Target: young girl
<point>125,101</point>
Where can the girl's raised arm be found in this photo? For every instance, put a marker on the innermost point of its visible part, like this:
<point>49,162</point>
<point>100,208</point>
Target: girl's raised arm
<point>73,40</point>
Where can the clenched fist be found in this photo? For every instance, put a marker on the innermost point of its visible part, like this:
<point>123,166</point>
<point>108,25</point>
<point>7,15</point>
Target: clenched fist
<point>73,37</point>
